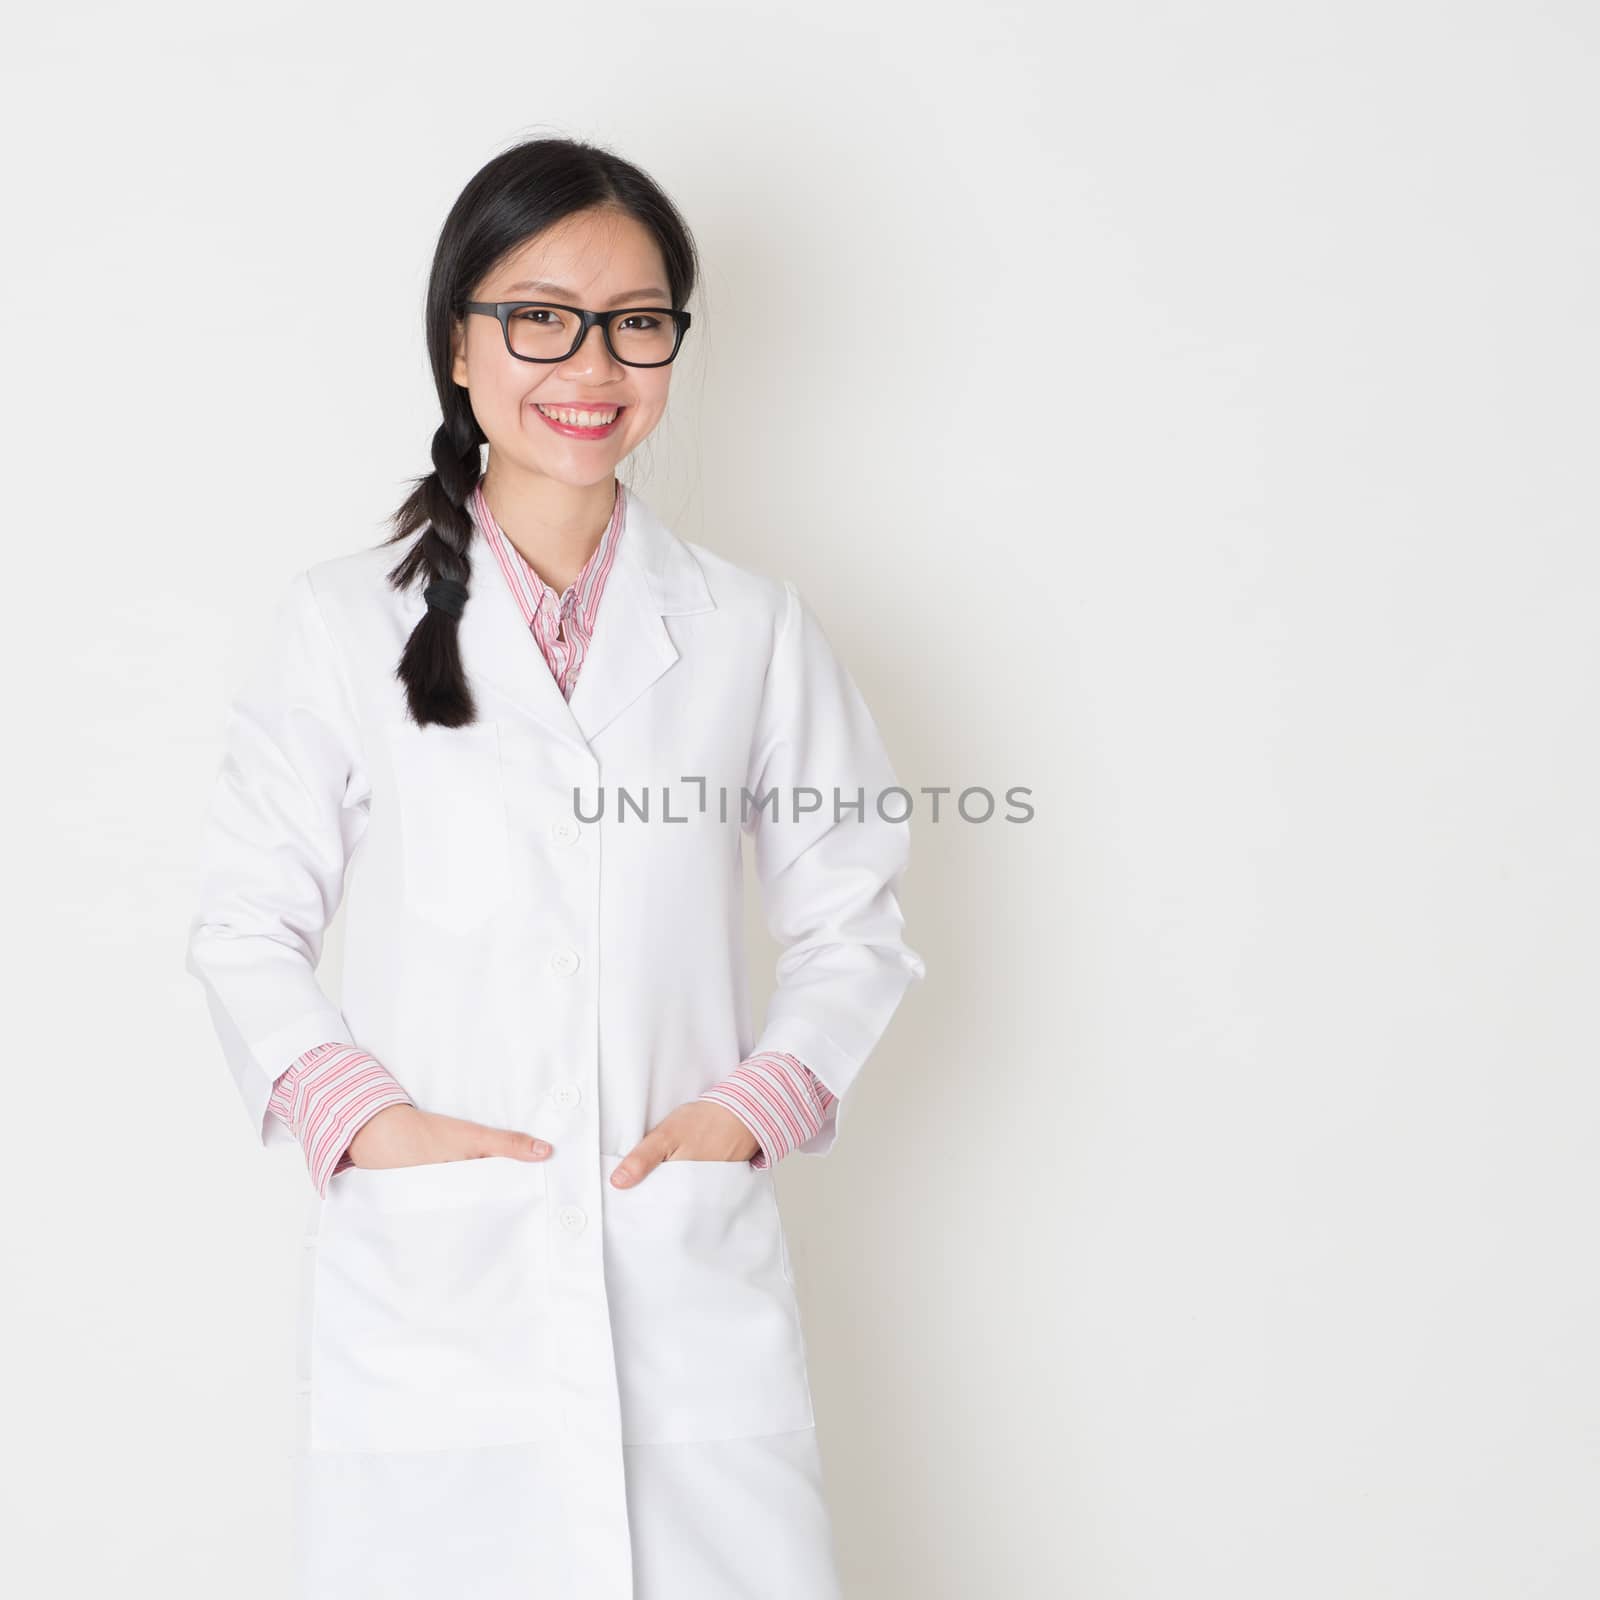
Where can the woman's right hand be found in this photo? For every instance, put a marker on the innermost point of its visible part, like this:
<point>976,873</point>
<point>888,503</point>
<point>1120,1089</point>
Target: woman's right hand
<point>403,1136</point>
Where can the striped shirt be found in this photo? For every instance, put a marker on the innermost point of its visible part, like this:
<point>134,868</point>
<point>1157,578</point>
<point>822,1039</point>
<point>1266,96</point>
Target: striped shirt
<point>329,1092</point>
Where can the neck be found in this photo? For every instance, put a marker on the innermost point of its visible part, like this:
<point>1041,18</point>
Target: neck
<point>555,526</point>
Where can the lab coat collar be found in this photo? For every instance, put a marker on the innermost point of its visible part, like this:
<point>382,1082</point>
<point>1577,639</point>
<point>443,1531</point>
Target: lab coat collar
<point>655,575</point>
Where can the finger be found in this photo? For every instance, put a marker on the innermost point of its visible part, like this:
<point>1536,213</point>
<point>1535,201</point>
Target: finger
<point>639,1162</point>
<point>519,1146</point>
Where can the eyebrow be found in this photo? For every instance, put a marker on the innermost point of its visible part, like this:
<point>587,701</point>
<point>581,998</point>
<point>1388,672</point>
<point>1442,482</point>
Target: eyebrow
<point>555,288</point>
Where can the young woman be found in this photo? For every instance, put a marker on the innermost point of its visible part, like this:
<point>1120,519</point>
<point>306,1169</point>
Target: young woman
<point>550,1342</point>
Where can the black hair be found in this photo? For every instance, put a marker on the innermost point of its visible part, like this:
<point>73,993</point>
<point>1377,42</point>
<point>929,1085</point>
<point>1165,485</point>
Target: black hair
<point>518,194</point>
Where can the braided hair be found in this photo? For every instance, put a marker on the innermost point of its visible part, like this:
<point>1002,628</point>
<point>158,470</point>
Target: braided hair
<point>516,195</point>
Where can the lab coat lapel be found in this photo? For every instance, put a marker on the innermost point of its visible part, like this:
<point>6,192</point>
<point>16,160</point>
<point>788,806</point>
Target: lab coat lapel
<point>654,575</point>
<point>498,647</point>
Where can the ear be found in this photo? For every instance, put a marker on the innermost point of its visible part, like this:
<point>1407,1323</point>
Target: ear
<point>458,353</point>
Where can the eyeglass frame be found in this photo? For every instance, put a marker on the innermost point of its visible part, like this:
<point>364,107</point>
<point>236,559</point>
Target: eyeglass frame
<point>501,311</point>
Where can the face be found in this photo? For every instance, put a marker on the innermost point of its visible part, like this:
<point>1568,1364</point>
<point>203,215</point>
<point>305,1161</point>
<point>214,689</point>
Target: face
<point>597,259</point>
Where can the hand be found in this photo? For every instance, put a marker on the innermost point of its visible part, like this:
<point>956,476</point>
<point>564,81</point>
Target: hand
<point>701,1130</point>
<point>403,1136</point>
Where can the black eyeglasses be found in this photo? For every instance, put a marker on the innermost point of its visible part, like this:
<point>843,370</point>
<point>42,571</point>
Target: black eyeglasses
<point>536,330</point>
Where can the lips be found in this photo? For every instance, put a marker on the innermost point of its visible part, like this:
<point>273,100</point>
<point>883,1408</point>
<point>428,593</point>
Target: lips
<point>576,430</point>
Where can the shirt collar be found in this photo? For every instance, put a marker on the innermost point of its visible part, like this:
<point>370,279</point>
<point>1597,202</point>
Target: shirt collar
<point>579,602</point>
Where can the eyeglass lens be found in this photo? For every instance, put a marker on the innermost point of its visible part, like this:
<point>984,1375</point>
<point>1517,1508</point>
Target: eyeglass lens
<point>549,333</point>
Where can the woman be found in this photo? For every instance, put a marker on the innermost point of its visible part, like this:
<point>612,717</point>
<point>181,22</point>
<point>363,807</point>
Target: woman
<point>550,1342</point>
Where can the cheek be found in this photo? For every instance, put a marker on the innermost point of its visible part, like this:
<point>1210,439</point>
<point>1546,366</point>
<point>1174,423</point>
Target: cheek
<point>499,384</point>
<point>498,402</point>
<point>648,407</point>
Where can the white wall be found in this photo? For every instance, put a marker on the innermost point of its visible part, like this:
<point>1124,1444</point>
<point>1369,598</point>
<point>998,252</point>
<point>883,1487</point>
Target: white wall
<point>1187,412</point>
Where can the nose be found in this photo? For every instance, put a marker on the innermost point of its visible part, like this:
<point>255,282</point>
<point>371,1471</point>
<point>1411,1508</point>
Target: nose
<point>591,354</point>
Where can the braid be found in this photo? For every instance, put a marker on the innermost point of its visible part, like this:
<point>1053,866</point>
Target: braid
<point>430,665</point>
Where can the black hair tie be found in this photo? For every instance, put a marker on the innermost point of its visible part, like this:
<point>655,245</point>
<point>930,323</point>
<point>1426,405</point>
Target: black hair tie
<point>448,595</point>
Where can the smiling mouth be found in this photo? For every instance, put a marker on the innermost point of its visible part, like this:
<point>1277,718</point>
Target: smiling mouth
<point>586,419</point>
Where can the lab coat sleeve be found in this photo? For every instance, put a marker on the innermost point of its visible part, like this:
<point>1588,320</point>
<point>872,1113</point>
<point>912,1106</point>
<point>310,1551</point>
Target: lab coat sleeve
<point>288,807</point>
<point>829,876</point>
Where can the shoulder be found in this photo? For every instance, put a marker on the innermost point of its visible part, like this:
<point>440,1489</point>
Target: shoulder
<point>366,615</point>
<point>740,589</point>
<point>700,585</point>
<point>347,606</point>
<point>357,577</point>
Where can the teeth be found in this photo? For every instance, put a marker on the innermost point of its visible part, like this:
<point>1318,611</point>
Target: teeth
<point>579,419</point>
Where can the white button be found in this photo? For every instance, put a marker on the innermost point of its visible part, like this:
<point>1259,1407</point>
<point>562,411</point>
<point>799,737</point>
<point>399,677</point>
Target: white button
<point>573,1218</point>
<point>564,962</point>
<point>567,1095</point>
<point>565,831</point>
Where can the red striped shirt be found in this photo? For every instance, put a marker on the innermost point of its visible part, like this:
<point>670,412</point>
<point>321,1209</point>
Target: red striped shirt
<point>330,1091</point>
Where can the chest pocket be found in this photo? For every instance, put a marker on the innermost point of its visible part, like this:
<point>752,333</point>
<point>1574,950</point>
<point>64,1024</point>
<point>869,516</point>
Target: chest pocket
<point>455,836</point>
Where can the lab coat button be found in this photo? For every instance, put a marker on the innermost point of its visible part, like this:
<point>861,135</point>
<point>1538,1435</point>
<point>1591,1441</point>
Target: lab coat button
<point>564,962</point>
<point>565,831</point>
<point>573,1218</point>
<point>567,1095</point>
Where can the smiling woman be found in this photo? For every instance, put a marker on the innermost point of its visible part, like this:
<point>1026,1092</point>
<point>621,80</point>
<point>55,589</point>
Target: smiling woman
<point>521,358</point>
<point>549,1338</point>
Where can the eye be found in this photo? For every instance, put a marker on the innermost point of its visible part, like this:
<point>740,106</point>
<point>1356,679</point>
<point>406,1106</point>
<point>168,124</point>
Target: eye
<point>532,314</point>
<point>640,321</point>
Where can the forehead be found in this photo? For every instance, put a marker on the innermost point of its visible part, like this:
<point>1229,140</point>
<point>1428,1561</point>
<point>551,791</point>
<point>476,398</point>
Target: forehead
<point>593,257</point>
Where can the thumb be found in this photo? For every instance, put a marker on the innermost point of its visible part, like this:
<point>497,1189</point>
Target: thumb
<point>640,1161</point>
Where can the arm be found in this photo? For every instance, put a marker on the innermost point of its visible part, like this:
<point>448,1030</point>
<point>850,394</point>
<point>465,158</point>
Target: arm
<point>289,805</point>
<point>828,875</point>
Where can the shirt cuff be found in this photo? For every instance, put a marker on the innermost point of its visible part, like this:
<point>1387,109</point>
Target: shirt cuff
<point>778,1098</point>
<point>325,1097</point>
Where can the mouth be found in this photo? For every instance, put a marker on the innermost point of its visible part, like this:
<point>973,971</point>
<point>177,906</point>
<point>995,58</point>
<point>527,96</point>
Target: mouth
<point>581,422</point>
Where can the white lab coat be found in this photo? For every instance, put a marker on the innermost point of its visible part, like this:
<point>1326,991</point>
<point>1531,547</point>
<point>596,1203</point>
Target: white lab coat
<point>516,1379</point>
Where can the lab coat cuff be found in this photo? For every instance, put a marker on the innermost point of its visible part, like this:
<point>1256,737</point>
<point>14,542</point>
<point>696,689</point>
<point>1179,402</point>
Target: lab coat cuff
<point>324,1025</point>
<point>834,1067</point>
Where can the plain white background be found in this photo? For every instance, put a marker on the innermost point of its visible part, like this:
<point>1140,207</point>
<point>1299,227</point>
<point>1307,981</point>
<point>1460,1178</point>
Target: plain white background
<point>1186,412</point>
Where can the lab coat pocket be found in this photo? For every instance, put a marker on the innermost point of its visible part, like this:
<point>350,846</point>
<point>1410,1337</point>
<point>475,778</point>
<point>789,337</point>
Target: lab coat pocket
<point>456,842</point>
<point>706,1323</point>
<point>429,1315</point>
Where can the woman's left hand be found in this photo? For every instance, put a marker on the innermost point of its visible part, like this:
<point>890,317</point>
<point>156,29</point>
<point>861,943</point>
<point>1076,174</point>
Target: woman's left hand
<point>700,1130</point>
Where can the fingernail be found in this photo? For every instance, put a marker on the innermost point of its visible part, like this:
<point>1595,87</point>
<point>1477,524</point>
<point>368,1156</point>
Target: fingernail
<point>622,1175</point>
<point>540,1148</point>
